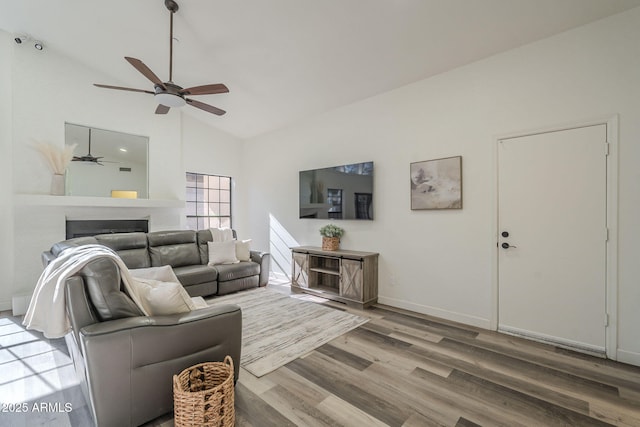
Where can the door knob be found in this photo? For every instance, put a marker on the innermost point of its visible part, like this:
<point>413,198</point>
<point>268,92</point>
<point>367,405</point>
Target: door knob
<point>505,245</point>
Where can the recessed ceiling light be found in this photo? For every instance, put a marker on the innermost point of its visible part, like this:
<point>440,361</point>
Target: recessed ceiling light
<point>124,150</point>
<point>38,45</point>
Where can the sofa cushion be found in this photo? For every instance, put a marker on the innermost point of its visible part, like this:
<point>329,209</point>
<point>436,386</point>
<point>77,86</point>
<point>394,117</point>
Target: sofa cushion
<point>237,271</point>
<point>174,248</point>
<point>237,285</point>
<point>195,274</point>
<point>202,289</point>
<point>105,289</point>
<point>132,247</point>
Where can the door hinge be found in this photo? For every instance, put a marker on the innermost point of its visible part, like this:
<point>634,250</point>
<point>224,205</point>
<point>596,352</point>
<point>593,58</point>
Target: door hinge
<point>606,148</point>
<point>606,234</point>
<point>606,319</point>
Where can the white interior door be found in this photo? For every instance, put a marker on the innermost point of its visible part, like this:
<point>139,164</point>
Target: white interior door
<point>552,263</point>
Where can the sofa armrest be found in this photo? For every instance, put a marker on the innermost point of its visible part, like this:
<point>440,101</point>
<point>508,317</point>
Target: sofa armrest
<point>264,259</point>
<point>130,362</point>
<point>169,320</point>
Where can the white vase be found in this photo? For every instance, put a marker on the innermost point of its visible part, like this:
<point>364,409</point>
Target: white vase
<point>57,185</point>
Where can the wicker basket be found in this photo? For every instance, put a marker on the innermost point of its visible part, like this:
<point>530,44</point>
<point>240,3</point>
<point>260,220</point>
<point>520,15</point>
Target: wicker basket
<point>330,243</point>
<point>203,395</point>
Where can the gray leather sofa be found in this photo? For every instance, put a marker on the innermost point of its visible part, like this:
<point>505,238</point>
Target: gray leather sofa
<point>186,251</point>
<point>126,361</point>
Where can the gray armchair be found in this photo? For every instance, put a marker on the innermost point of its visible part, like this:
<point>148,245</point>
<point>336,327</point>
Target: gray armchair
<point>126,361</point>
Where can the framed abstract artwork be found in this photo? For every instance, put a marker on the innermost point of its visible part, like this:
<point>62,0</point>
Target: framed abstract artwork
<point>436,184</point>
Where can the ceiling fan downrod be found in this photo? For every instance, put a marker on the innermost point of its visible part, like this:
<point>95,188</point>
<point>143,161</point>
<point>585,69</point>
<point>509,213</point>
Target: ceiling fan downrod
<point>173,8</point>
<point>168,94</point>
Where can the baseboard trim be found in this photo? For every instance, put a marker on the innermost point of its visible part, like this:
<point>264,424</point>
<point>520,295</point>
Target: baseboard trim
<point>551,340</point>
<point>436,312</point>
<point>5,305</point>
<point>629,357</point>
<point>19,304</point>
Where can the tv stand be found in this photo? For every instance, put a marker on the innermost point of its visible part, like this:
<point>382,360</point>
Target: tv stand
<point>350,277</point>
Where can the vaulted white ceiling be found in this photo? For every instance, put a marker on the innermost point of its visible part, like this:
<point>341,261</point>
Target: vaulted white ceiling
<point>284,60</point>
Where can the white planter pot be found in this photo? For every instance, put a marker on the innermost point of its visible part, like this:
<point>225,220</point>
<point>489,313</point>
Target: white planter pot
<point>57,185</point>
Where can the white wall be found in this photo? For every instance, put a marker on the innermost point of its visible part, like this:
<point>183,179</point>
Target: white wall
<point>211,151</point>
<point>441,262</point>
<point>6,190</point>
<point>44,90</point>
<point>50,89</point>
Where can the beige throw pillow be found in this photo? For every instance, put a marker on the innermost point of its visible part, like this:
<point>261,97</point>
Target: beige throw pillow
<point>243,250</point>
<point>148,276</point>
<point>162,298</point>
<point>222,253</point>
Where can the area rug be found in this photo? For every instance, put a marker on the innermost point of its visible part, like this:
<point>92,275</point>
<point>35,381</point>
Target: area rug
<point>277,328</point>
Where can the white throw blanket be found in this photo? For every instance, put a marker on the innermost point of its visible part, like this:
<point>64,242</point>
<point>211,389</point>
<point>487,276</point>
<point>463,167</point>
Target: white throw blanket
<point>221,234</point>
<point>47,311</point>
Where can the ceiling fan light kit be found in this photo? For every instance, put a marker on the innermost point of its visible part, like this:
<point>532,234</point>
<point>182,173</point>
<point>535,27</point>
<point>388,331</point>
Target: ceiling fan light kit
<point>168,94</point>
<point>170,100</point>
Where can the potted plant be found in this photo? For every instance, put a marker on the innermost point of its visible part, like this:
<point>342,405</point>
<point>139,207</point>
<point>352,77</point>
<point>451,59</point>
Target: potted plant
<point>331,237</point>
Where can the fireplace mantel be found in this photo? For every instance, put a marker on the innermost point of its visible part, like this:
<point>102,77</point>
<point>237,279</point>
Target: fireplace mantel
<point>78,201</point>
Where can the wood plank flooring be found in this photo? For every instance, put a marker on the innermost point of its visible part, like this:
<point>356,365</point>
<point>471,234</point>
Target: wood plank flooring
<point>407,369</point>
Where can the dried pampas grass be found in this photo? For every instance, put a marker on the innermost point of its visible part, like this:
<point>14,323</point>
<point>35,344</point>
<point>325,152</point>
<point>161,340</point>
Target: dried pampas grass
<point>58,159</point>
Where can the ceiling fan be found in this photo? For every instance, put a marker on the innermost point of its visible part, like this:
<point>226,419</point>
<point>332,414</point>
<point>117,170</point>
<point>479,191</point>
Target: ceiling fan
<point>169,94</point>
<point>89,157</point>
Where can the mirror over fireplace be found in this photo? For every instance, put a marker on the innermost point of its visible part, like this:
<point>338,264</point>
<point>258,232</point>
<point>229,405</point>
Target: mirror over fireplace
<point>116,163</point>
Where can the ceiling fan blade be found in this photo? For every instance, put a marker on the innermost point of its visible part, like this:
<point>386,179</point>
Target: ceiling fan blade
<point>206,107</point>
<point>124,88</point>
<point>86,159</point>
<point>162,109</point>
<point>205,89</point>
<point>146,71</point>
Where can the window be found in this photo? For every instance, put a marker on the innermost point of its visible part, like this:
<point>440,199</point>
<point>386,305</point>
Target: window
<point>208,201</point>
<point>334,199</point>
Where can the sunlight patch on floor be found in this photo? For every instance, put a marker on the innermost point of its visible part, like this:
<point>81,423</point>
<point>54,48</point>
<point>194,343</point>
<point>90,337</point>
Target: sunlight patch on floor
<point>31,367</point>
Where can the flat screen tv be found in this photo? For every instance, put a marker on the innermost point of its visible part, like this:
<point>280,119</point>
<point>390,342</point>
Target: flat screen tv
<point>338,192</point>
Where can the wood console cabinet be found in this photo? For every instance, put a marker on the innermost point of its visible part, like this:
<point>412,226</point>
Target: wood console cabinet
<point>346,276</point>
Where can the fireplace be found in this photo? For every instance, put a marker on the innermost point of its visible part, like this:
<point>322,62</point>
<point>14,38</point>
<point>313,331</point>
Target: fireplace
<point>91,227</point>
